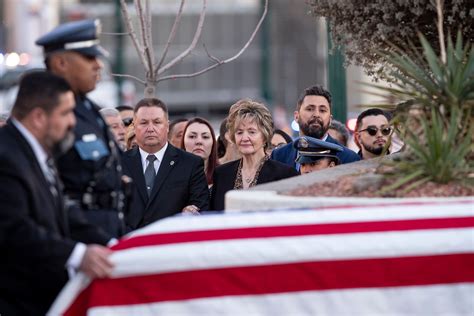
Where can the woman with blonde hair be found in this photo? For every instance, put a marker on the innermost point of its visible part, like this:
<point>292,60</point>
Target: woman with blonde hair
<point>250,126</point>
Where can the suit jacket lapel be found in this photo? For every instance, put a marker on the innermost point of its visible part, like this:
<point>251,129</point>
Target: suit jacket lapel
<point>137,174</point>
<point>56,202</point>
<point>168,163</point>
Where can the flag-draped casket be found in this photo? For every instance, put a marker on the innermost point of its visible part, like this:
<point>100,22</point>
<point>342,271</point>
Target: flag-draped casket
<point>408,258</point>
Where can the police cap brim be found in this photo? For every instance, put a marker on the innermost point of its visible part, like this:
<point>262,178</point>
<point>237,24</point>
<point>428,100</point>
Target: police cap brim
<point>302,159</point>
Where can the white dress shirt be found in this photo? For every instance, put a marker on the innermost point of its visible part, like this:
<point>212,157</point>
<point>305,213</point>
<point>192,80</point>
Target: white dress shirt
<point>159,158</point>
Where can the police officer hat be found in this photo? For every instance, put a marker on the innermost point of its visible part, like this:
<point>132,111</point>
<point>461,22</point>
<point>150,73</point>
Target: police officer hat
<point>311,149</point>
<point>78,36</point>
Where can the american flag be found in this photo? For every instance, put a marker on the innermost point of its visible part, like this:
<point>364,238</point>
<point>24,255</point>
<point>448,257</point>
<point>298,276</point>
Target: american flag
<point>387,258</point>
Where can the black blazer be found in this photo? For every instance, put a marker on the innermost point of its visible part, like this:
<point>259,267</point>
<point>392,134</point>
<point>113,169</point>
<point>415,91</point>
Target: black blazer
<point>36,232</point>
<point>225,175</point>
<point>180,181</point>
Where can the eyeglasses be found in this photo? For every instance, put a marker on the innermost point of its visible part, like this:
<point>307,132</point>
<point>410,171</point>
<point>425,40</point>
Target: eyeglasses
<point>127,121</point>
<point>373,130</point>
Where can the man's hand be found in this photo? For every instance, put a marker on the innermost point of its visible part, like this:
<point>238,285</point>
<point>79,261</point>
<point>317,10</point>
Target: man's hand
<point>95,262</point>
<point>191,209</point>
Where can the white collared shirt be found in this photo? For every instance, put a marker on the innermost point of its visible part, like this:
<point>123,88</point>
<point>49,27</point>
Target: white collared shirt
<point>75,259</point>
<point>38,150</point>
<point>159,157</point>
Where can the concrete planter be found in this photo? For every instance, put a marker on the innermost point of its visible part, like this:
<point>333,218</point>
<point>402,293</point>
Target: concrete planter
<point>272,195</point>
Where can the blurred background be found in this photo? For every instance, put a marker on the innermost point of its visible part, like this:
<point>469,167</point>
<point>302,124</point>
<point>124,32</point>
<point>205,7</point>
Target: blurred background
<point>290,53</point>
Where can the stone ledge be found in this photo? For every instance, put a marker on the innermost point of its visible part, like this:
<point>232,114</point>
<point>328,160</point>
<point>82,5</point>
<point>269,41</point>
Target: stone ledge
<point>272,195</point>
<point>319,176</point>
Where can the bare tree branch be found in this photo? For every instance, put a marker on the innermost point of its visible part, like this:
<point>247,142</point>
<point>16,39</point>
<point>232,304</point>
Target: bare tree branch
<point>219,62</point>
<point>197,35</point>
<point>128,76</point>
<point>147,46</point>
<point>439,10</point>
<point>133,35</point>
<point>171,37</point>
<point>149,36</point>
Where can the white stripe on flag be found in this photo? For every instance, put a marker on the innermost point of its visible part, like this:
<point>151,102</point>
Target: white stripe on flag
<point>455,299</point>
<point>260,251</point>
<point>295,217</point>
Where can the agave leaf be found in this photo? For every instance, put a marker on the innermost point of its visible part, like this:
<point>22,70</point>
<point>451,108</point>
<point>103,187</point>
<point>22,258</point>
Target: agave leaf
<point>459,46</point>
<point>401,181</point>
<point>415,184</point>
<point>432,59</point>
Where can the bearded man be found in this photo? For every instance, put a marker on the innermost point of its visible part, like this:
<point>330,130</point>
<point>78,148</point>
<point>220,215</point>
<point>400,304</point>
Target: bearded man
<point>40,239</point>
<point>372,134</point>
<point>313,114</point>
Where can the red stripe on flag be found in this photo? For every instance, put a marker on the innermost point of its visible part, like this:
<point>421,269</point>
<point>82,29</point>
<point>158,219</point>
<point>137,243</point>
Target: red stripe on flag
<point>293,230</point>
<point>392,204</point>
<point>277,278</point>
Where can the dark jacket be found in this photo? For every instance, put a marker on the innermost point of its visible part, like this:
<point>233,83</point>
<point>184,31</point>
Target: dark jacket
<point>180,181</point>
<point>288,153</point>
<point>93,165</point>
<point>37,234</point>
<point>225,175</point>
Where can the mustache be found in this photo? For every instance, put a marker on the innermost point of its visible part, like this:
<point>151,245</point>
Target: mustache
<point>315,120</point>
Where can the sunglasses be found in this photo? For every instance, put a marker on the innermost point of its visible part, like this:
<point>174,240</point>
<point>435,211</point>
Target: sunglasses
<point>373,130</point>
<point>127,121</point>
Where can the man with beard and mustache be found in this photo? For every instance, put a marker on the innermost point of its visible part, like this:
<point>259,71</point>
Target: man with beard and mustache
<point>39,240</point>
<point>313,114</point>
<point>91,170</point>
<point>372,133</point>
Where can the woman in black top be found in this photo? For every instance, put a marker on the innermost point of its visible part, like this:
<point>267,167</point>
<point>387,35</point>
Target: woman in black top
<point>250,127</point>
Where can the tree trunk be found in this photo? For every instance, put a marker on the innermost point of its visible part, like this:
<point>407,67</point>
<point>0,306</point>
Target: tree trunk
<point>150,89</point>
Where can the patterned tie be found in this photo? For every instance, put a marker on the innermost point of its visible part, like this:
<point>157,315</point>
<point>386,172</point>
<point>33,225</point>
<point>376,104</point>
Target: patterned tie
<point>150,173</point>
<point>52,177</point>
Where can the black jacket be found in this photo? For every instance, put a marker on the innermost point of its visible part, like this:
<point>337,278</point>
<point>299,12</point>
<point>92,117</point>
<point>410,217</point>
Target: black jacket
<point>225,175</point>
<point>180,181</point>
<point>37,234</point>
<point>95,169</point>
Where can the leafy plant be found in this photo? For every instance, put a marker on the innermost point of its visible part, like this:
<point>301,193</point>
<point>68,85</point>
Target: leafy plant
<point>361,26</point>
<point>436,101</point>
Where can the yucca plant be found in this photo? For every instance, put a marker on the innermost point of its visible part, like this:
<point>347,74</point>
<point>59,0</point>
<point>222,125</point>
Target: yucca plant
<point>435,97</point>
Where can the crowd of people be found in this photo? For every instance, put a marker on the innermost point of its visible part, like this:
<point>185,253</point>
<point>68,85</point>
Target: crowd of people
<point>74,178</point>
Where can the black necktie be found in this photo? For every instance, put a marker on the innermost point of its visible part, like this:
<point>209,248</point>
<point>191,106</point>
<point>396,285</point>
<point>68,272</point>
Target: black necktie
<point>150,173</point>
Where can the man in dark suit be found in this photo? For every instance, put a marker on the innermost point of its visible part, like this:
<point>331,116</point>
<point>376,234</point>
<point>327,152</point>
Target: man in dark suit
<point>39,239</point>
<point>91,170</point>
<point>167,180</point>
<point>313,114</point>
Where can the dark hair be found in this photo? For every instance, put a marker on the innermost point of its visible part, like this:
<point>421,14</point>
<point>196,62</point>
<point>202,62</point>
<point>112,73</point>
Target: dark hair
<point>371,112</point>
<point>221,141</point>
<point>287,137</point>
<point>124,107</point>
<point>341,129</point>
<point>38,89</point>
<point>314,90</point>
<point>151,102</point>
<point>212,162</point>
<point>177,121</point>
